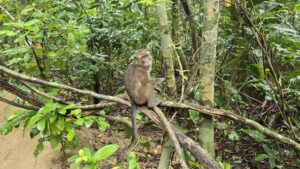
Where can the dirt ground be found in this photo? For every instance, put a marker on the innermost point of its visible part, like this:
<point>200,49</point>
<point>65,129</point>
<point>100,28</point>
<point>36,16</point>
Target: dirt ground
<point>16,148</point>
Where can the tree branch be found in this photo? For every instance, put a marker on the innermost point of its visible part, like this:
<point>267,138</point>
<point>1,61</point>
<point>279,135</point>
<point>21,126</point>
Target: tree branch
<point>173,137</point>
<point>59,100</point>
<point>18,104</point>
<point>202,109</point>
<point>62,86</point>
<point>23,95</point>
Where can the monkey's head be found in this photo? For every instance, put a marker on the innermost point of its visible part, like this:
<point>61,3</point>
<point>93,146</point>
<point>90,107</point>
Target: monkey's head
<point>143,58</point>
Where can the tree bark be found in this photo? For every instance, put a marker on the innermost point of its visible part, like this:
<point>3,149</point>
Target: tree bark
<point>207,70</point>
<point>166,47</point>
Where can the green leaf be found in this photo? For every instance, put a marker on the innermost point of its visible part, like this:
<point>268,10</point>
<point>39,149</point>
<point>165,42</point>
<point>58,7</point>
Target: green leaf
<point>88,122</point>
<point>106,152</point>
<point>48,108</point>
<point>8,33</point>
<point>292,74</point>
<point>233,135</point>
<point>9,125</point>
<point>60,123</point>
<point>87,151</point>
<point>41,125</point>
<point>254,134</point>
<point>272,162</point>
<point>261,157</point>
<point>14,51</point>
<point>76,112</point>
<point>103,125</point>
<point>297,7</point>
<point>90,166</point>
<point>64,109</point>
<point>222,126</point>
<point>54,141</point>
<point>132,161</point>
<point>53,118</point>
<point>79,122</point>
<point>71,134</point>
<point>73,158</point>
<point>71,39</point>
<point>39,148</point>
<point>194,115</point>
<point>257,70</point>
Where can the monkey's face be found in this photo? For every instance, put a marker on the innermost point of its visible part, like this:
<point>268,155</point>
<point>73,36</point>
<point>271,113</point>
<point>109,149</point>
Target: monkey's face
<point>144,58</point>
<point>147,61</point>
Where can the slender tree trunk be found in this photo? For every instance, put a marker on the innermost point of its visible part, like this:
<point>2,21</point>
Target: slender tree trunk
<point>166,47</point>
<point>207,70</point>
<point>175,34</point>
<point>297,18</point>
<point>166,153</point>
<point>168,54</point>
<point>192,25</point>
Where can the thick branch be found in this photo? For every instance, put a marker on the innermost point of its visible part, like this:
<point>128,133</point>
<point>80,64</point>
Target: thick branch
<point>202,109</point>
<point>198,152</point>
<point>173,137</point>
<point>18,92</point>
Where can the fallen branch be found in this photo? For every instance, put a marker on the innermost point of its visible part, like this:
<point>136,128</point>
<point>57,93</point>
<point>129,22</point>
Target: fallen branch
<point>196,150</point>
<point>173,137</point>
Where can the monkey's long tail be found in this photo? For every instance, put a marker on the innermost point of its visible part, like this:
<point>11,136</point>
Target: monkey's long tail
<point>134,126</point>
<point>133,142</point>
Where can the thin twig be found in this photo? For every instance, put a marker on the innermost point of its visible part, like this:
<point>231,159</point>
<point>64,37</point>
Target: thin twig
<point>59,100</point>
<point>23,106</point>
<point>181,72</point>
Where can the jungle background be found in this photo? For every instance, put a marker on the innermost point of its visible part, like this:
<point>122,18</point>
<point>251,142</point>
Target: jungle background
<point>242,56</point>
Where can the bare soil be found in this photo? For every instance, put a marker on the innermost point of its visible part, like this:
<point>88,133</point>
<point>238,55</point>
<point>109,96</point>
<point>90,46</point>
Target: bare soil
<point>16,148</point>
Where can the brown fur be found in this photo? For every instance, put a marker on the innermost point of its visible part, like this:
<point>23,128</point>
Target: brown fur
<point>137,80</point>
<point>140,89</point>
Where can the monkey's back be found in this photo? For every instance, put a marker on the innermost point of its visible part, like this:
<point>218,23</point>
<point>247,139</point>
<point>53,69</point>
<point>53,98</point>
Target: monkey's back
<point>135,79</point>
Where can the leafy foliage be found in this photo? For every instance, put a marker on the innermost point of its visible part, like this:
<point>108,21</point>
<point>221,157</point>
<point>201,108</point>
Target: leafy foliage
<point>90,160</point>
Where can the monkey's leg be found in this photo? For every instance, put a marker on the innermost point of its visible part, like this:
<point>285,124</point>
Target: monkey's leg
<point>151,100</point>
<point>134,134</point>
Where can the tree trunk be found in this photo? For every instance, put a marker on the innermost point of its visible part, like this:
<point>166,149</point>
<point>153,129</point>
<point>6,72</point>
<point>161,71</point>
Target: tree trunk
<point>168,53</point>
<point>192,25</point>
<point>166,47</point>
<point>175,34</point>
<point>207,70</point>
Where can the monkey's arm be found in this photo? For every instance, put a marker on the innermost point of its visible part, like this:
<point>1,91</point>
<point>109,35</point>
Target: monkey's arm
<point>157,81</point>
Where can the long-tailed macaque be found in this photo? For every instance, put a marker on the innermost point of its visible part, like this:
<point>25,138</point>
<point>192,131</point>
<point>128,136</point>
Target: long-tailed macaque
<point>140,87</point>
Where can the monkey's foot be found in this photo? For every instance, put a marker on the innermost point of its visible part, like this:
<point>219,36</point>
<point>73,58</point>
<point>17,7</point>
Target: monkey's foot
<point>154,103</point>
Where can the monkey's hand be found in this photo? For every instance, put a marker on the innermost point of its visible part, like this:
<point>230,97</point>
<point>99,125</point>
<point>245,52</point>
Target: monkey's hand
<point>157,81</point>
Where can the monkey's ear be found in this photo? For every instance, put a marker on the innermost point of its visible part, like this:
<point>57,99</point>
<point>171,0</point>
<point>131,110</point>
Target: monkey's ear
<point>138,56</point>
<point>141,53</point>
